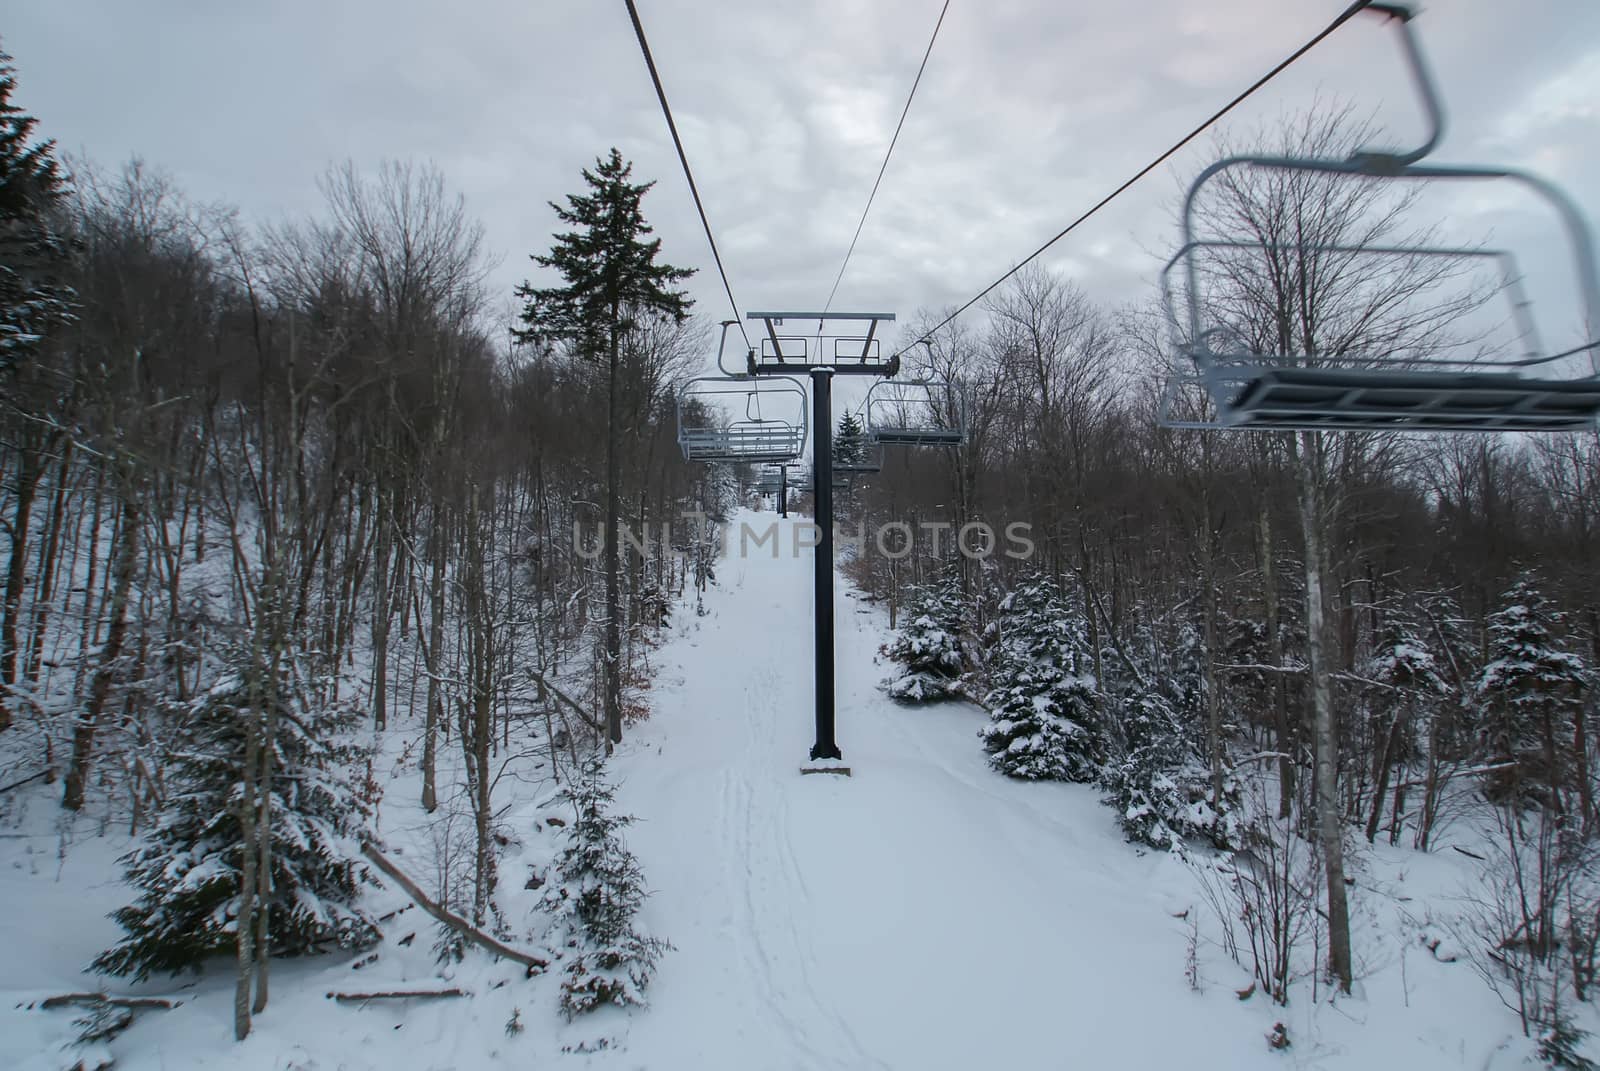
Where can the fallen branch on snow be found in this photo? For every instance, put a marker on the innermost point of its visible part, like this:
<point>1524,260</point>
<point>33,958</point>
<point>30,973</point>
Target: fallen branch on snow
<point>27,780</point>
<point>100,998</point>
<point>397,994</point>
<point>449,918</point>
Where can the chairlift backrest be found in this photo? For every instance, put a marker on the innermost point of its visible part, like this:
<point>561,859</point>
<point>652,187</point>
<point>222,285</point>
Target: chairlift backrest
<point>1253,384</point>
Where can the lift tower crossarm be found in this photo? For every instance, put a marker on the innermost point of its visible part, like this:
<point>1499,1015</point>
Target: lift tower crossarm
<point>843,359</point>
<point>779,317</point>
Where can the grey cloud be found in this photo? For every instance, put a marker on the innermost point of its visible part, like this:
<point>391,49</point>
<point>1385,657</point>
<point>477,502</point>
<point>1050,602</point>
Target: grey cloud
<point>1028,113</point>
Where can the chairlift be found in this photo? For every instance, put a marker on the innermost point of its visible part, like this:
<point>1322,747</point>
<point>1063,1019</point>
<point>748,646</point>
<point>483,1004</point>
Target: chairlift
<point>1254,387</point>
<point>768,480</point>
<point>914,412</point>
<point>704,433</point>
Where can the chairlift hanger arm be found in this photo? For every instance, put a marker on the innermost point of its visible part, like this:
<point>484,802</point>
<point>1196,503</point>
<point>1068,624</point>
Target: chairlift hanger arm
<point>722,346</point>
<point>1422,80</point>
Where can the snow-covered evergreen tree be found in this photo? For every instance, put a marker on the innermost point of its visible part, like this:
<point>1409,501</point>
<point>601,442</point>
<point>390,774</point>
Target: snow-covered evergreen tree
<point>1042,721</point>
<point>188,867</point>
<point>1402,699</point>
<point>597,892</point>
<point>1157,778</point>
<point>928,645</point>
<point>33,253</point>
<point>849,441</point>
<point>1531,692</point>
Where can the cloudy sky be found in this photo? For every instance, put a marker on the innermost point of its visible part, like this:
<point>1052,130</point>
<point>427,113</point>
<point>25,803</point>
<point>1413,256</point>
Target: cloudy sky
<point>1028,113</point>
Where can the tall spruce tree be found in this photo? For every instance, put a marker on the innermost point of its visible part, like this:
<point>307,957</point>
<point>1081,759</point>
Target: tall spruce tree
<point>612,283</point>
<point>33,253</point>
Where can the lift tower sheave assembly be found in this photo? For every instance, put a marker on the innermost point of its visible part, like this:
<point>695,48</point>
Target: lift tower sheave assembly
<point>849,353</point>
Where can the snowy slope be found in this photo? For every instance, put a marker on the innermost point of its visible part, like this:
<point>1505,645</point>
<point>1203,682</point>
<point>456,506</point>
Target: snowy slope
<point>924,913</point>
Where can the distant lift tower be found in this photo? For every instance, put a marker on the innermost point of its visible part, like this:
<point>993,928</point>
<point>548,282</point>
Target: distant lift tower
<point>849,347</point>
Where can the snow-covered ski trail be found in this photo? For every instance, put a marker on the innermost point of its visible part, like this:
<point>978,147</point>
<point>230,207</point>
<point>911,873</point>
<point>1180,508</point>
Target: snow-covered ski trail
<point>923,913</point>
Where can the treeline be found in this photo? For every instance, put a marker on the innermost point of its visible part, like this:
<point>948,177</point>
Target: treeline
<point>314,422</point>
<point>1364,634</point>
<point>270,488</point>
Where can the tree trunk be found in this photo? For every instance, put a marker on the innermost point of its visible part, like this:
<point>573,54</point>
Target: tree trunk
<point>613,592</point>
<point>1580,752</point>
<point>122,584</point>
<point>380,615</point>
<point>29,469</point>
<point>1213,700</point>
<point>1280,684</point>
<point>267,720</point>
<point>47,571</point>
<point>1309,470</point>
<point>245,920</point>
<point>435,701</point>
<point>1391,744</point>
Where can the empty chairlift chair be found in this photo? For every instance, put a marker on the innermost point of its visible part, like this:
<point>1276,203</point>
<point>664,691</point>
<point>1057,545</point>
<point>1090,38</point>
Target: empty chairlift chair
<point>1256,381</point>
<point>741,421</point>
<point>914,412</point>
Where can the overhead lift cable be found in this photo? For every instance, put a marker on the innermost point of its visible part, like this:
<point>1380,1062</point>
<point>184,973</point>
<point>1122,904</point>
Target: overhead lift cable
<point>666,110</point>
<point>1344,17</point>
<point>890,152</point>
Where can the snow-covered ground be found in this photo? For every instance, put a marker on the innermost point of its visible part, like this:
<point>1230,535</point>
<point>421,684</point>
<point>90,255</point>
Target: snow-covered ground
<point>922,913</point>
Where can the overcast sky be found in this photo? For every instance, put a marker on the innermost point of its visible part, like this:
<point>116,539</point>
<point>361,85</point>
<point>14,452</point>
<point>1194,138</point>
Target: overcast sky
<point>1028,113</point>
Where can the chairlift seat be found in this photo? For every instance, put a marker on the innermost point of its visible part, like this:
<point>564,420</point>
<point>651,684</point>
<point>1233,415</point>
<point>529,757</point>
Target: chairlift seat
<point>756,439</point>
<point>911,436</point>
<point>910,413</point>
<point>1272,397</point>
<point>750,442</point>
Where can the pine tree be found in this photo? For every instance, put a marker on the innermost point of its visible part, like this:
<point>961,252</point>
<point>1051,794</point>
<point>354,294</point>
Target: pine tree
<point>927,646</point>
<point>1041,708</point>
<point>33,255</point>
<point>599,887</point>
<point>1531,693</point>
<point>849,442</point>
<point>189,865</point>
<point>612,283</point>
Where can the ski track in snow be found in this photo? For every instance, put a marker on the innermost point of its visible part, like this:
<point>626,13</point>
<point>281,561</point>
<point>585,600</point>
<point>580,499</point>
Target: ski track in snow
<point>923,913</point>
